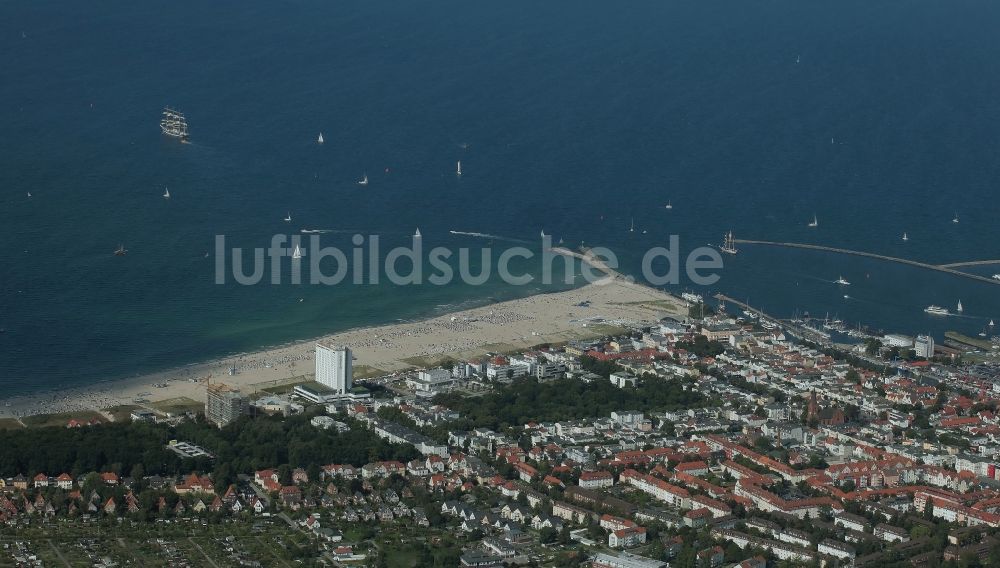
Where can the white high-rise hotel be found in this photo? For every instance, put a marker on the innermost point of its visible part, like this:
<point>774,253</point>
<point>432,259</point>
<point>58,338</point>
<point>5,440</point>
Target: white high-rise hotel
<point>333,367</point>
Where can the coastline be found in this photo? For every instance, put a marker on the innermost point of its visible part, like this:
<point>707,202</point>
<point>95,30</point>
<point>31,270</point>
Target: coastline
<point>502,326</point>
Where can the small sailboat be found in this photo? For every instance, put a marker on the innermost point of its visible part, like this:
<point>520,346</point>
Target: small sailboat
<point>297,253</point>
<point>458,168</point>
<point>955,218</point>
<point>815,221</point>
<point>991,323</point>
<point>166,193</point>
<point>959,308</point>
<point>543,234</point>
<point>668,206</point>
<point>29,195</point>
<point>288,217</point>
<point>416,234</point>
<point>364,180</point>
<point>120,251</point>
<point>631,229</point>
<point>320,139</point>
<point>905,238</point>
<point>798,59</point>
<point>842,281</point>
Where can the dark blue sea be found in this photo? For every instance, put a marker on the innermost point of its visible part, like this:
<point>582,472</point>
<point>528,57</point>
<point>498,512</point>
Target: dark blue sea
<point>880,117</point>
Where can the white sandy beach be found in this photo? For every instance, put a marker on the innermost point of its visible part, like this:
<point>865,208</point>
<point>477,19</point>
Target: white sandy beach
<point>513,324</point>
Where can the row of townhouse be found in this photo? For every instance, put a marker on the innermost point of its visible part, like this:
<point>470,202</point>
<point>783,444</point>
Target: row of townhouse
<point>769,502</point>
<point>980,466</point>
<point>596,479</point>
<point>717,508</point>
<point>627,537</point>
<point>954,511</point>
<point>622,533</point>
<point>878,473</point>
<point>714,491</point>
<point>837,549</point>
<point>62,481</point>
<point>658,488</point>
<point>268,478</point>
<point>399,434</point>
<point>572,513</point>
<point>732,450</point>
<point>781,550</point>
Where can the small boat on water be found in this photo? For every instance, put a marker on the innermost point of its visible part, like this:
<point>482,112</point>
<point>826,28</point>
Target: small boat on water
<point>458,168</point>
<point>364,180</point>
<point>29,195</point>
<point>288,217</point>
<point>693,298</point>
<point>631,229</point>
<point>297,253</point>
<point>815,221</point>
<point>905,238</point>
<point>166,193</point>
<point>320,139</point>
<point>959,308</point>
<point>120,251</point>
<point>668,206</point>
<point>842,281</point>
<point>955,218</point>
<point>937,310</point>
<point>417,234</point>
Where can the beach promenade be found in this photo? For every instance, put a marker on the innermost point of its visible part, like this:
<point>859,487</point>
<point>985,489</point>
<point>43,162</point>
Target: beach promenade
<point>592,310</point>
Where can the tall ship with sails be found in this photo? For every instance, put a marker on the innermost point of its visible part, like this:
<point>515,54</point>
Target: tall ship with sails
<point>728,244</point>
<point>174,124</point>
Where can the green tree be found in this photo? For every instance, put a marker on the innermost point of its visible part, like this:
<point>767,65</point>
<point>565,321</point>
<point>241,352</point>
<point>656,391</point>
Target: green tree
<point>564,535</point>
<point>872,346</point>
<point>547,535</point>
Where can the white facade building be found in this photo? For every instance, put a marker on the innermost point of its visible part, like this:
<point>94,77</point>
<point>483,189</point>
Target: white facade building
<point>334,367</point>
<point>924,346</point>
<point>897,340</point>
<point>622,379</point>
<point>430,380</point>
